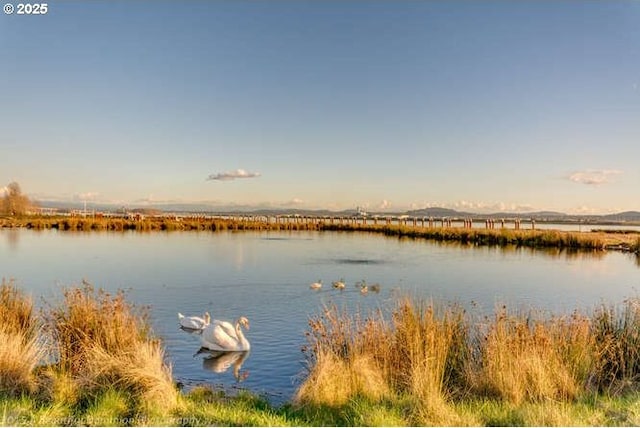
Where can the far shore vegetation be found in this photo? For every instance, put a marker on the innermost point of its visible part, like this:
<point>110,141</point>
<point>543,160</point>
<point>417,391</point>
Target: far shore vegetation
<point>623,240</point>
<point>17,211</point>
<point>89,357</point>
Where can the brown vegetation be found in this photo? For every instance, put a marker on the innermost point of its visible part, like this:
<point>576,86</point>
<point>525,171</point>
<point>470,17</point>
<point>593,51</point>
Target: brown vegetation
<point>97,342</point>
<point>592,241</point>
<point>20,351</point>
<point>434,357</point>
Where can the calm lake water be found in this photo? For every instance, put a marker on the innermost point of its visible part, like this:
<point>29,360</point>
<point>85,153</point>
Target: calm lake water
<point>265,276</point>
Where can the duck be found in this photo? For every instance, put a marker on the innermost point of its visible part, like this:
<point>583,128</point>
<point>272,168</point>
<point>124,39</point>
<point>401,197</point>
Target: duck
<point>316,285</point>
<point>194,323</point>
<point>223,336</point>
<point>375,287</point>
<point>339,284</point>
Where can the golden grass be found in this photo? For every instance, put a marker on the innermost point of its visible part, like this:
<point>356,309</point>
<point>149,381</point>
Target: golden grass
<point>347,359</point>
<point>416,353</point>
<point>435,355</point>
<point>19,356</point>
<point>20,349</point>
<point>104,341</point>
<point>524,358</point>
<point>16,310</point>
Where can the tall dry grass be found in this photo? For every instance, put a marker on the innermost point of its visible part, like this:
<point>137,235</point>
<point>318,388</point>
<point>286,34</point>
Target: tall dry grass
<point>617,335</point>
<point>420,352</point>
<point>346,358</point>
<point>102,341</point>
<point>20,348</point>
<point>525,357</point>
<point>440,354</point>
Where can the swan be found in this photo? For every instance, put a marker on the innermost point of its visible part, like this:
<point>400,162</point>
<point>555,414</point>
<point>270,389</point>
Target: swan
<point>194,323</point>
<point>339,284</point>
<point>222,336</point>
<point>316,285</point>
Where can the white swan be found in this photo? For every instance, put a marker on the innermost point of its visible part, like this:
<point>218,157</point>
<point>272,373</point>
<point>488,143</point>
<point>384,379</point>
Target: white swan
<point>339,284</point>
<point>222,336</point>
<point>316,285</point>
<point>194,323</point>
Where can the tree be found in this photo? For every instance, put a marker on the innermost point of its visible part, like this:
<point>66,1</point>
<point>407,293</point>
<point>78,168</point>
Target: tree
<point>14,202</point>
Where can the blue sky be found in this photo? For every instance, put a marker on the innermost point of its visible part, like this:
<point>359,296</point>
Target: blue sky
<point>326,104</point>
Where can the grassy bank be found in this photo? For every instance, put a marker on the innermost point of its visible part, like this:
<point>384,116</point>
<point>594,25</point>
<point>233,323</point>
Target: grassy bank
<point>430,364</point>
<point>90,358</point>
<point>592,241</point>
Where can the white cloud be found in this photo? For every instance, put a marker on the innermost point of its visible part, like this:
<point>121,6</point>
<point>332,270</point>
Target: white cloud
<point>594,176</point>
<point>384,205</point>
<point>292,202</point>
<point>86,196</point>
<point>232,175</point>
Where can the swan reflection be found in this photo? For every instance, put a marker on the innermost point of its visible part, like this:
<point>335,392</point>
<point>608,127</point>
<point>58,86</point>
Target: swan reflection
<point>220,361</point>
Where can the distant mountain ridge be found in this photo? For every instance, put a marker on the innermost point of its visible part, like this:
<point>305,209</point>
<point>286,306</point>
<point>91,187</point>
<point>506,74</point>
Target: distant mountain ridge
<point>436,212</point>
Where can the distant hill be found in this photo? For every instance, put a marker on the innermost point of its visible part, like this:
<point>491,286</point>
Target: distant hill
<point>436,212</point>
<point>623,216</point>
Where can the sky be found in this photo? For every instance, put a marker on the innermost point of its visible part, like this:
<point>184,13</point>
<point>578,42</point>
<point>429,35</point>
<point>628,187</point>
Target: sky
<point>389,105</point>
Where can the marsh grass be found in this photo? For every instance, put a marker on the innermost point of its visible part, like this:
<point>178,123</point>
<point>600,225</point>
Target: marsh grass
<point>526,357</point>
<point>20,348</point>
<point>434,358</point>
<point>617,335</point>
<point>418,362</point>
<point>103,341</point>
<point>595,240</point>
<point>16,310</point>
<point>419,353</point>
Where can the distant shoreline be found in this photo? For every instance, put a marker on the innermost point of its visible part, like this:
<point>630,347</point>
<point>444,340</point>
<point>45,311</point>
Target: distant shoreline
<point>619,240</point>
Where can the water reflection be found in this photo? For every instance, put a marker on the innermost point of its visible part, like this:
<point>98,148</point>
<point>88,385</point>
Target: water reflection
<point>221,361</point>
<point>555,253</point>
<point>13,236</point>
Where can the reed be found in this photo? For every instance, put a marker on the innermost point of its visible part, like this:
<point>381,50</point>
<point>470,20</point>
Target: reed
<point>525,357</point>
<point>19,356</point>
<point>617,335</point>
<point>436,355</point>
<point>346,358</point>
<point>21,351</point>
<point>421,352</point>
<point>104,341</point>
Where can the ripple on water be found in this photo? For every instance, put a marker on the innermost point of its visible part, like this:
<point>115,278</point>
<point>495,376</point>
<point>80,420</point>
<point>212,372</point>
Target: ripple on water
<point>354,261</point>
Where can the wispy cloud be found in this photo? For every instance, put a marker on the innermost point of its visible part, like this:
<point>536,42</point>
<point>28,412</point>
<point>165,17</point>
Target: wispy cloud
<point>594,176</point>
<point>232,175</point>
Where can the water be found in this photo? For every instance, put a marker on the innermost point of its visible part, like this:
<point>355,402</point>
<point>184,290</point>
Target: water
<point>265,276</point>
